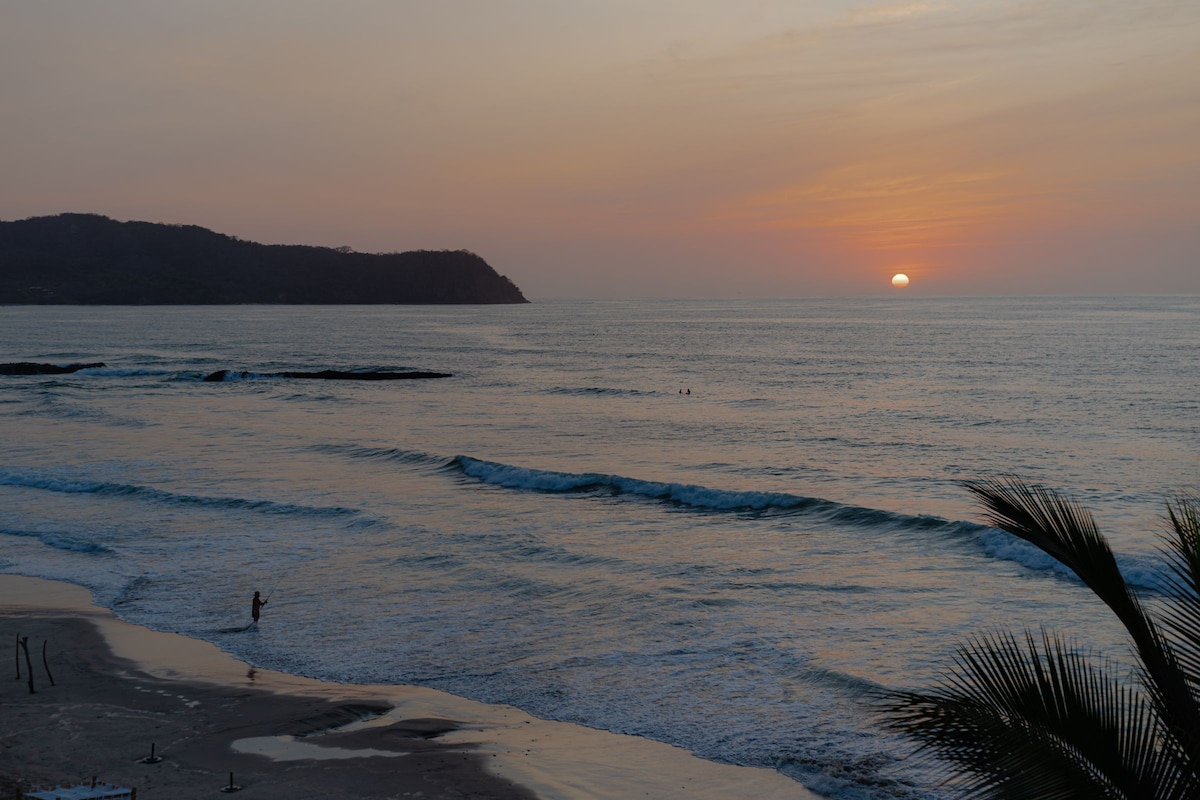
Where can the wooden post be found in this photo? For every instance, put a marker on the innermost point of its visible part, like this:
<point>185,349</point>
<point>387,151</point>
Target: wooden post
<point>232,787</point>
<point>151,759</point>
<point>17,655</point>
<point>28,663</point>
<point>46,663</point>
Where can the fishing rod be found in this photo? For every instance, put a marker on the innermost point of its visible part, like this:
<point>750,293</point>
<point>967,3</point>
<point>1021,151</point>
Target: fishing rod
<point>275,585</point>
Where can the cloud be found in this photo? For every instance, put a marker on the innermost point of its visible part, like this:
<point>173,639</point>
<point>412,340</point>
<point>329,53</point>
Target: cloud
<point>892,12</point>
<point>849,131</point>
<point>965,122</point>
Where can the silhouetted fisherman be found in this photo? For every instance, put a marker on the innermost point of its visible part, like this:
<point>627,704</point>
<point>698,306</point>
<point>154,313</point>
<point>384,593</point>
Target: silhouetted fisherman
<point>256,606</point>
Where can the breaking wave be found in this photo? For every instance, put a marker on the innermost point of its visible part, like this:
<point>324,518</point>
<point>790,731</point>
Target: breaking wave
<point>1140,571</point>
<point>59,541</point>
<point>105,488</point>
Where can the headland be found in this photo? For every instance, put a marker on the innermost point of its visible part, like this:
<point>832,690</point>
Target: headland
<point>88,259</point>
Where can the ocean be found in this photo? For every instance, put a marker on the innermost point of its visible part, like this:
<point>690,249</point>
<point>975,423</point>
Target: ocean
<point>718,524</point>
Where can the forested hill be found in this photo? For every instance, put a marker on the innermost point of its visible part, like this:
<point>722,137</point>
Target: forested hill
<point>87,259</point>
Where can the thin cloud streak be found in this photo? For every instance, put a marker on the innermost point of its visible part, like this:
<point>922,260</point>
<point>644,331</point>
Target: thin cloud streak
<point>831,140</point>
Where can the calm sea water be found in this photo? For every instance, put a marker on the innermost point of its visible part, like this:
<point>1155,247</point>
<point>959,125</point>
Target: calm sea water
<point>563,527</point>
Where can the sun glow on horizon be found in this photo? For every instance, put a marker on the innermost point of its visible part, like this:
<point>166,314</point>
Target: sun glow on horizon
<point>624,149</point>
<point>899,280</point>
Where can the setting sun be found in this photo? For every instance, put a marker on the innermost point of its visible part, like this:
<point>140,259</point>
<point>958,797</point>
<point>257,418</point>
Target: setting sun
<point>899,280</point>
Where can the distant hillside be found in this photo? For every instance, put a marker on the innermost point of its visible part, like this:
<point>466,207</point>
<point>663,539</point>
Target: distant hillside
<point>87,259</point>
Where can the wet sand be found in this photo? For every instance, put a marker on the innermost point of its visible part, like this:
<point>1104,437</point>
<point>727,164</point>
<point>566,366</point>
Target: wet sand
<point>120,689</point>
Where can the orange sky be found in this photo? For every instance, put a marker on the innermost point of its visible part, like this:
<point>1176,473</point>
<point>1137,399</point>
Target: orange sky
<point>612,148</point>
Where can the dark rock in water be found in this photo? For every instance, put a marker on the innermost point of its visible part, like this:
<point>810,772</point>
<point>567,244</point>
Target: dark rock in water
<point>87,259</point>
<point>333,375</point>
<point>341,375</point>
<point>30,368</point>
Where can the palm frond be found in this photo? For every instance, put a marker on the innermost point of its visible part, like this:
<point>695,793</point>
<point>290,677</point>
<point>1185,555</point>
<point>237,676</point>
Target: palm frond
<point>1062,529</point>
<point>1039,719</point>
<point>1036,721</point>
<point>1181,584</point>
<point>1068,533</point>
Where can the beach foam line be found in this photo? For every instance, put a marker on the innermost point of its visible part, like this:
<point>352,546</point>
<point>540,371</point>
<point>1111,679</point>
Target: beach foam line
<point>555,760</point>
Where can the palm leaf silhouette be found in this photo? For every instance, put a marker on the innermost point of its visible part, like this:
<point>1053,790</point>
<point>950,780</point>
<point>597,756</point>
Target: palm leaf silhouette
<point>1037,718</point>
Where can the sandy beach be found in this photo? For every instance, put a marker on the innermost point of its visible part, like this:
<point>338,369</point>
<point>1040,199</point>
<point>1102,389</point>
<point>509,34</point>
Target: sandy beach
<point>119,690</point>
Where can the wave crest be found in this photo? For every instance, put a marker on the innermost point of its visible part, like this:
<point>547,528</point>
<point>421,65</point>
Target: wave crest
<point>59,541</point>
<point>1140,572</point>
<point>78,486</point>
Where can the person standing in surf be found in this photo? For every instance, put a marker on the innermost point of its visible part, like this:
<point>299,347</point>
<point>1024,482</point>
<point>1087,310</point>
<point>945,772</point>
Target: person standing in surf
<point>256,606</point>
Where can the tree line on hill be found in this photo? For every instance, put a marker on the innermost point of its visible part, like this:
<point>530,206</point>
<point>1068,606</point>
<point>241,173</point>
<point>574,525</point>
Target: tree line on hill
<point>88,259</point>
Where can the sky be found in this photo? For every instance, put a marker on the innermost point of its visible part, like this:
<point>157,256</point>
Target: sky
<point>635,148</point>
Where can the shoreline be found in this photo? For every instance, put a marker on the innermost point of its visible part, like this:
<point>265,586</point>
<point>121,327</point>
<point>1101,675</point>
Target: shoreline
<point>120,687</point>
